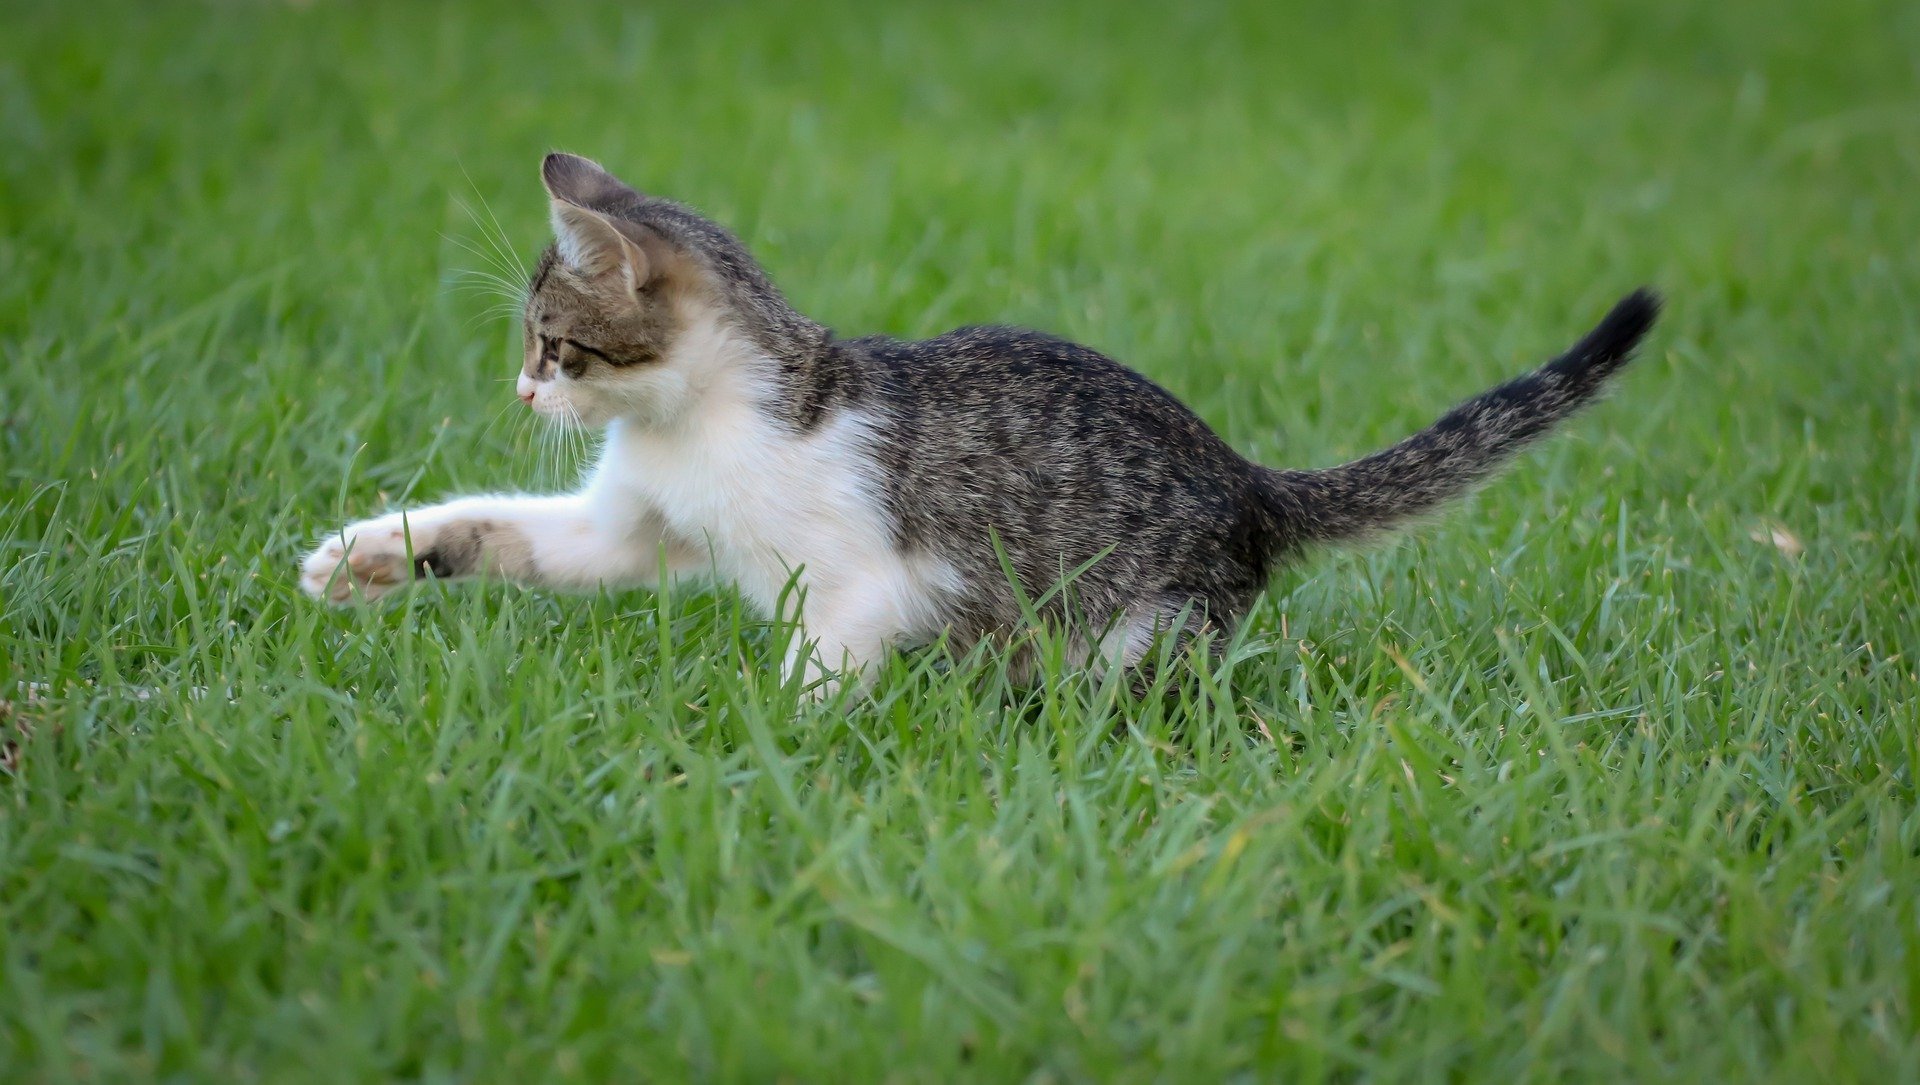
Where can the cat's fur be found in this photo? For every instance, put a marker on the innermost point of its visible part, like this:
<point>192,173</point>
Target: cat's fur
<point>888,480</point>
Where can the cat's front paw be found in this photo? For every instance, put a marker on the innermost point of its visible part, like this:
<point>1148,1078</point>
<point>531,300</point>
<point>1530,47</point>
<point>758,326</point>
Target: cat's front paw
<point>369,558</point>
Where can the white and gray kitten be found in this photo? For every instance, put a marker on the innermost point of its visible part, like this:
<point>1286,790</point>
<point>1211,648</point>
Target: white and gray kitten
<point>895,483</point>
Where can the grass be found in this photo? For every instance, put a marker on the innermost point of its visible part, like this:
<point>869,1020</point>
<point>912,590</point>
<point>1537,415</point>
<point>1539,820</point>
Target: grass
<point>1608,776</point>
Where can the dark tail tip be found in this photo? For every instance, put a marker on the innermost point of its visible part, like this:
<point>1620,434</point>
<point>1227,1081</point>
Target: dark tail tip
<point>1377,493</point>
<point>1612,341</point>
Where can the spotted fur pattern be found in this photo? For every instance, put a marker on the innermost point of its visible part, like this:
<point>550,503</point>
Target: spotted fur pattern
<point>896,484</point>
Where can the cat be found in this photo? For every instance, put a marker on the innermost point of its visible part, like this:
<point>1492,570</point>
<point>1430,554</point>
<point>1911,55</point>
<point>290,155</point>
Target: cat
<point>897,484</point>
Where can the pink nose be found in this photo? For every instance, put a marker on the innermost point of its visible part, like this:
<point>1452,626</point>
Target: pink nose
<point>527,397</point>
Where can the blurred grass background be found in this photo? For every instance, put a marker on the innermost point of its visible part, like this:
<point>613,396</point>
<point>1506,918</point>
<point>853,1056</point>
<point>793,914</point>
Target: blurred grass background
<point>1609,776</point>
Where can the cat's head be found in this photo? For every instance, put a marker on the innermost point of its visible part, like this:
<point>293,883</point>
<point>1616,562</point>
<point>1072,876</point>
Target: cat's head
<point>625,313</point>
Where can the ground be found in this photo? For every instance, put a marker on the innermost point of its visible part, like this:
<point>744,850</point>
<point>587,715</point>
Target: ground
<point>1608,775</point>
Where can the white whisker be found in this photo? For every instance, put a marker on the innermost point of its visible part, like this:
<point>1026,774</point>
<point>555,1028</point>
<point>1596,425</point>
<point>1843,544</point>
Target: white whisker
<point>494,421</point>
<point>505,243</point>
<point>503,274</point>
<point>495,258</point>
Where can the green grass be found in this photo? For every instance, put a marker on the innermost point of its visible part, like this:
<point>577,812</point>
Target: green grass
<point>1586,782</point>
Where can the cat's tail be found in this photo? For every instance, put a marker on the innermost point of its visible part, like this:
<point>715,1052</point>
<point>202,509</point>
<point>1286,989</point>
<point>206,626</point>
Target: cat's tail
<point>1384,491</point>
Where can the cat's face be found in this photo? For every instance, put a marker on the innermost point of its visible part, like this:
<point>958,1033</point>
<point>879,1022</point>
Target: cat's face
<point>607,306</point>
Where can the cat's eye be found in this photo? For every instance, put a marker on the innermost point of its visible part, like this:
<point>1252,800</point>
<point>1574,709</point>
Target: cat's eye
<point>585,349</point>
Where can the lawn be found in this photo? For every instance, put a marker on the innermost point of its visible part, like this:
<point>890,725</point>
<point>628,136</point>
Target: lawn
<point>1608,775</point>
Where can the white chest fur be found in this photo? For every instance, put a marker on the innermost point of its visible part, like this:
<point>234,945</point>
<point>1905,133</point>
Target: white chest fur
<point>767,503</point>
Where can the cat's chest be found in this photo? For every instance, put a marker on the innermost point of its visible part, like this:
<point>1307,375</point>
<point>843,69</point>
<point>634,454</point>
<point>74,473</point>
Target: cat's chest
<point>745,486</point>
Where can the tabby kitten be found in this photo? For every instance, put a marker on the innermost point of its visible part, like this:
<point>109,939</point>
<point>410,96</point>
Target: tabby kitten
<point>888,480</point>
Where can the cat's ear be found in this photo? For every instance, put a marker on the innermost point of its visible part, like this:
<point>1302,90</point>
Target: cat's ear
<point>602,247</point>
<point>582,182</point>
<point>591,242</point>
<point>596,246</point>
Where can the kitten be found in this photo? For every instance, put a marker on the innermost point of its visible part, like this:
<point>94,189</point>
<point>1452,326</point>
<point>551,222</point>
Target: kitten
<point>888,480</point>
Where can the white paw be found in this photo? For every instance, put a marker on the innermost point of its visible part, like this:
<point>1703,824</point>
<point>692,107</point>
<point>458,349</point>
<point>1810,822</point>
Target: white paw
<point>376,563</point>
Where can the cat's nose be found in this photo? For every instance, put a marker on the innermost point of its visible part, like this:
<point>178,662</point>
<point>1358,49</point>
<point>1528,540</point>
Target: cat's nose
<point>524,386</point>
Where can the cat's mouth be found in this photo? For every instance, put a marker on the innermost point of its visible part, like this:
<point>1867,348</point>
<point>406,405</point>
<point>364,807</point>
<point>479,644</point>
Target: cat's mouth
<point>560,413</point>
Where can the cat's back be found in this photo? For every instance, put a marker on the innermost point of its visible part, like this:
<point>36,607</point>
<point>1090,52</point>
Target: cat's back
<point>1061,450</point>
<point>1018,383</point>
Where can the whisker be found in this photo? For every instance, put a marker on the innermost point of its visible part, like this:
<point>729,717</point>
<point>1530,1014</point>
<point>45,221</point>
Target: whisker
<point>500,259</point>
<point>490,315</point>
<point>489,275</point>
<point>484,280</point>
<point>494,421</point>
<point>532,440</point>
<point>504,308</point>
<point>504,272</point>
<point>493,274</point>
<point>578,451</point>
<point>485,285</point>
<point>506,243</point>
<point>536,451</point>
<point>509,300</point>
<point>549,454</point>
